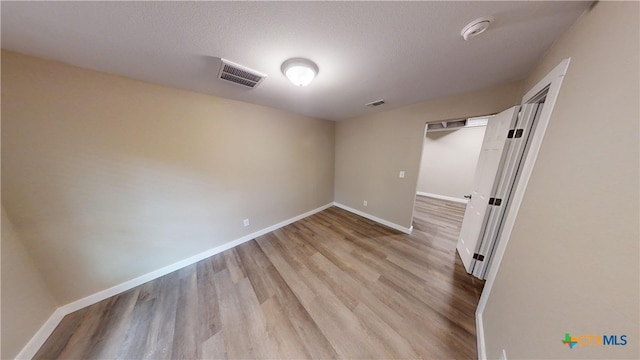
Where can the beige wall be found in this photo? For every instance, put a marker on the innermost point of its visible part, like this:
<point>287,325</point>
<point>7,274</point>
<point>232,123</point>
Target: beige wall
<point>449,161</point>
<point>26,300</point>
<point>571,264</point>
<point>371,150</point>
<point>108,178</point>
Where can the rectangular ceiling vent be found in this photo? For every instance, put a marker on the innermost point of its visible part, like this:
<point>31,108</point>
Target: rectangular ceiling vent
<point>239,74</point>
<point>375,103</point>
<point>446,125</point>
<point>478,121</point>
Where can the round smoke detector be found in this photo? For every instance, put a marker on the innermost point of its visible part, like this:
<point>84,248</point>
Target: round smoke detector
<point>476,27</point>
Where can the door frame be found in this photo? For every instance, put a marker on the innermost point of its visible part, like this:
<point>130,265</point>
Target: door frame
<point>424,136</point>
<point>507,177</point>
<point>492,160</point>
<point>552,81</point>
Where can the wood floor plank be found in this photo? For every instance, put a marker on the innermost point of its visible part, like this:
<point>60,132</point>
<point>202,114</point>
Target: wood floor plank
<point>208,307</point>
<point>113,325</point>
<point>234,265</point>
<point>160,335</point>
<point>337,322</point>
<point>61,336</point>
<point>263,275</point>
<point>332,285</point>
<point>287,266</point>
<point>135,339</point>
<point>392,321</point>
<point>385,335</point>
<point>258,267</point>
<point>279,327</point>
<point>262,344</point>
<point>335,317</point>
<point>236,343</point>
<point>307,329</point>
<point>185,338</point>
<point>214,347</point>
<point>219,263</point>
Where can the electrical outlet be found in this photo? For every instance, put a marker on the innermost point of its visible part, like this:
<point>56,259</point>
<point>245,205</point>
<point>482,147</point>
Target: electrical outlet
<point>245,222</point>
<point>402,174</point>
<point>364,203</point>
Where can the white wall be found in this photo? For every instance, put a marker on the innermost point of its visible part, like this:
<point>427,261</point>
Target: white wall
<point>449,161</point>
<point>572,262</point>
<point>107,178</point>
<point>26,301</point>
<point>372,149</point>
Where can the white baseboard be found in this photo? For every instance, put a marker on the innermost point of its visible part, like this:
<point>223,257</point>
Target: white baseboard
<point>30,349</point>
<point>376,219</point>
<point>45,330</point>
<point>482,349</point>
<point>442,197</point>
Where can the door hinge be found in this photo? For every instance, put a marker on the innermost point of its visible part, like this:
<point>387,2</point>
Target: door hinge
<point>495,201</point>
<point>478,257</point>
<point>515,133</point>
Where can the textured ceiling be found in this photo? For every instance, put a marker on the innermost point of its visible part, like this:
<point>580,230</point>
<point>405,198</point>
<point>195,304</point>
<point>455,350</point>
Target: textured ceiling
<point>403,52</point>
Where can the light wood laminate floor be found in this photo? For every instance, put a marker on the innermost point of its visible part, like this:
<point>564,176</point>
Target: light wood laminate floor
<point>333,285</point>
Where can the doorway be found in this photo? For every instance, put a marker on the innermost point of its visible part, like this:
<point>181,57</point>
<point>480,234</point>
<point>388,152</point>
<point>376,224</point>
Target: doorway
<point>449,157</point>
<point>503,150</point>
<point>542,97</point>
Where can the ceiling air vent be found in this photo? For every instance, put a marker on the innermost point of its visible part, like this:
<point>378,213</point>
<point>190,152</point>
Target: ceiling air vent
<point>239,74</point>
<point>375,103</point>
<point>455,124</point>
<point>446,125</point>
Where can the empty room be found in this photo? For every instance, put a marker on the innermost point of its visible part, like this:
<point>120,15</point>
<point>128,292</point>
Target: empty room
<point>314,180</point>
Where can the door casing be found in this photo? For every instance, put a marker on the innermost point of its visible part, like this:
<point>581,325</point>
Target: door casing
<point>490,162</point>
<point>550,83</point>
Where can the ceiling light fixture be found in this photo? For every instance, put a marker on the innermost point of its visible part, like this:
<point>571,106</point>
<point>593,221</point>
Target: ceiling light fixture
<point>476,27</point>
<point>299,71</point>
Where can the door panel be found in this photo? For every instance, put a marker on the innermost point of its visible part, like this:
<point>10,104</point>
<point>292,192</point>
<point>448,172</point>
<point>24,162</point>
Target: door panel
<point>485,180</point>
<point>514,153</point>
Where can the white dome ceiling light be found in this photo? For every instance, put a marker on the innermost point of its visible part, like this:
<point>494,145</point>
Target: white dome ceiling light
<point>300,71</point>
<point>476,27</point>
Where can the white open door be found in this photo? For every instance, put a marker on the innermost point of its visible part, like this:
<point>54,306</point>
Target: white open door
<point>514,150</point>
<point>543,95</point>
<point>484,183</point>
